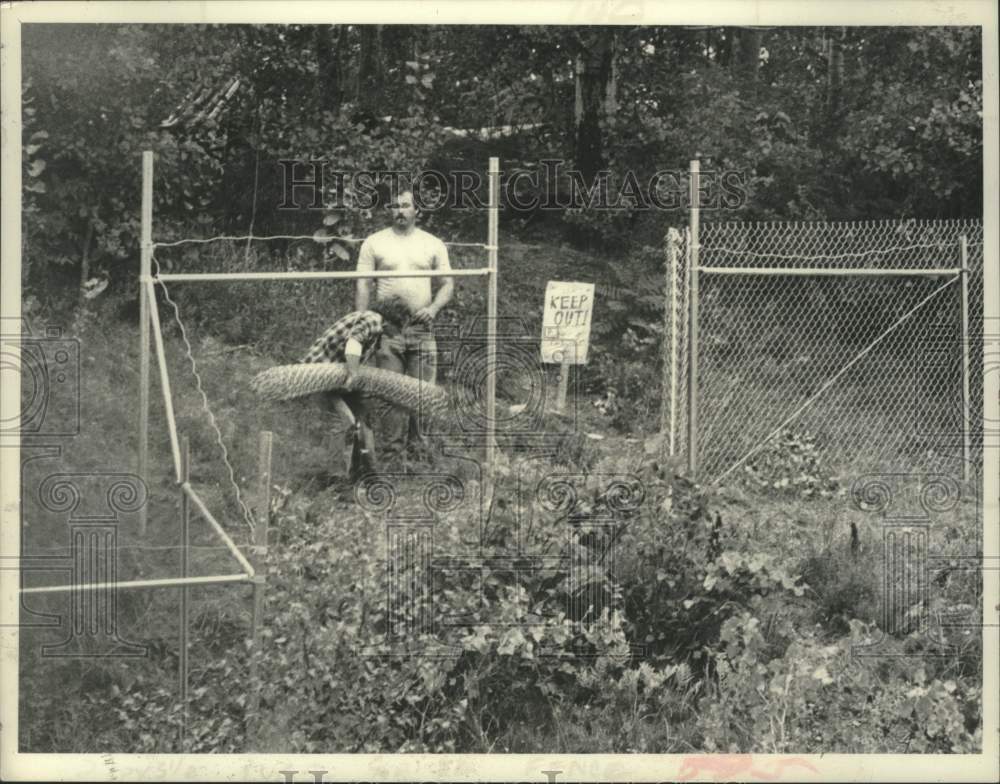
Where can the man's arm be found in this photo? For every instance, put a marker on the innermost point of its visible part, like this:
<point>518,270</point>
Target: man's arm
<point>364,332</point>
<point>444,295</point>
<point>362,295</point>
<point>366,263</point>
<point>445,292</point>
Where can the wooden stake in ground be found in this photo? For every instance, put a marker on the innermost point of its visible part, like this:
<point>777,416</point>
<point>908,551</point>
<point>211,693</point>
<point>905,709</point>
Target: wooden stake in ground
<point>563,383</point>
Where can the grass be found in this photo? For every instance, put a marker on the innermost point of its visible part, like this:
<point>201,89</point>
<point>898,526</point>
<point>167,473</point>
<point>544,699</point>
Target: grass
<point>237,332</point>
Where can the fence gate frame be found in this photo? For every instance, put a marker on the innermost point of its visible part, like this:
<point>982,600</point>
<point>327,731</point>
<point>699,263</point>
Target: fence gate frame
<point>687,318</point>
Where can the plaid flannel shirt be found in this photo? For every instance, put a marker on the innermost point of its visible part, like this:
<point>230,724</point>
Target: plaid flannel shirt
<point>364,326</point>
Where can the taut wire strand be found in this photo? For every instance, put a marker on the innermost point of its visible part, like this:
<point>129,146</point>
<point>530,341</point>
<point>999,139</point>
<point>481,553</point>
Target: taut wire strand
<point>249,238</point>
<point>323,239</point>
<point>824,256</point>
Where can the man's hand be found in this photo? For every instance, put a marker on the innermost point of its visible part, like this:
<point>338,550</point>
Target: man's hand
<point>424,316</point>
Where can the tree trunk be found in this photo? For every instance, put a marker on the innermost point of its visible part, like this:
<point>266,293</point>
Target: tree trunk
<point>578,91</point>
<point>397,47</point>
<point>417,39</point>
<point>750,43</point>
<point>370,71</point>
<point>369,82</point>
<point>724,47</point>
<point>329,90</point>
<point>593,75</point>
<point>611,89</point>
<point>835,70</point>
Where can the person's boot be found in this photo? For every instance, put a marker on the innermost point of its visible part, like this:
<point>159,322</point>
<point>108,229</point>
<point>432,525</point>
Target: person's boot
<point>417,445</point>
<point>368,455</point>
<point>367,463</point>
<point>355,470</point>
<point>362,460</point>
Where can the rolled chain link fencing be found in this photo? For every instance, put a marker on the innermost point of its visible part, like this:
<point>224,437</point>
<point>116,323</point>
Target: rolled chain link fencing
<point>864,368</point>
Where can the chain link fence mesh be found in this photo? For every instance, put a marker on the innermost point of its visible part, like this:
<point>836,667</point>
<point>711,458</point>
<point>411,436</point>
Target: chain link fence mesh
<point>856,373</point>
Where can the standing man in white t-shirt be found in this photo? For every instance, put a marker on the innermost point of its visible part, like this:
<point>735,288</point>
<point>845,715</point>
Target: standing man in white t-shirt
<point>403,246</point>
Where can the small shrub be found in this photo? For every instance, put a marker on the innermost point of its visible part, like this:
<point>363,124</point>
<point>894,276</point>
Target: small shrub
<point>818,697</point>
<point>791,464</point>
<point>683,576</point>
<point>845,587</point>
<point>630,393</point>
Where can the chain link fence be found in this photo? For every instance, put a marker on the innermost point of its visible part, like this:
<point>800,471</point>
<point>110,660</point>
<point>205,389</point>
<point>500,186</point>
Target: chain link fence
<point>834,347</point>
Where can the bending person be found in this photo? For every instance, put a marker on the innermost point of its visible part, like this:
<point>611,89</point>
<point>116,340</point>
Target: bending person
<point>404,247</point>
<point>353,340</point>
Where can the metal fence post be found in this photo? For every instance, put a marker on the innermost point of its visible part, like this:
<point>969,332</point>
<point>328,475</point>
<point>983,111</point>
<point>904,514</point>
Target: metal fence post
<point>492,240</point>
<point>963,244</point>
<point>668,418</point>
<point>261,522</point>
<point>185,566</point>
<point>693,326</point>
<point>145,270</point>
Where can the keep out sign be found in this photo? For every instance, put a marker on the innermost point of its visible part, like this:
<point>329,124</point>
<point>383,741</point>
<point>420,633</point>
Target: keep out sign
<point>566,322</point>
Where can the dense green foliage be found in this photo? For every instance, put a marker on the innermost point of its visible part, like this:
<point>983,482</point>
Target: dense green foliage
<point>745,602</point>
<point>736,610</point>
<point>819,123</point>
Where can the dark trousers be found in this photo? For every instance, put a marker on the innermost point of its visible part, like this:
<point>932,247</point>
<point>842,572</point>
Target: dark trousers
<point>414,353</point>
